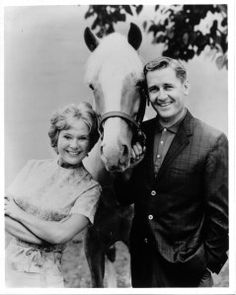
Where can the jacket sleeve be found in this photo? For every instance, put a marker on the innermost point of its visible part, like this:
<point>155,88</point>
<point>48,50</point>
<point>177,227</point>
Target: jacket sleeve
<point>216,187</point>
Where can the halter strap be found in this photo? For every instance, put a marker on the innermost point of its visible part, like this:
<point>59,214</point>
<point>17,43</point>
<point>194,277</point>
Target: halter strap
<point>120,115</point>
<point>136,124</point>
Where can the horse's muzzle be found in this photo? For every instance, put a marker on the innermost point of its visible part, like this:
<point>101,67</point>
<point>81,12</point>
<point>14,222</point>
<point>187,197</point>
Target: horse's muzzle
<point>115,160</point>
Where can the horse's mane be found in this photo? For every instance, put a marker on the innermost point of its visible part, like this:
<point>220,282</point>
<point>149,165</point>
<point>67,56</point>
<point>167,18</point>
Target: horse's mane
<point>114,49</point>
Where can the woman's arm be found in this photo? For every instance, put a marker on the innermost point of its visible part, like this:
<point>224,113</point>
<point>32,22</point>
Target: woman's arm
<point>53,232</point>
<point>19,231</point>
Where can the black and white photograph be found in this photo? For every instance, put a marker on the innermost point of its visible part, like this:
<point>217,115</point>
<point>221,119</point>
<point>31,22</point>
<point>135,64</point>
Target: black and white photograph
<point>119,133</point>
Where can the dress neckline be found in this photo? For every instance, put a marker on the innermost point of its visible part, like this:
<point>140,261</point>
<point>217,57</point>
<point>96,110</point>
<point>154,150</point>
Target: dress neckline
<point>68,167</point>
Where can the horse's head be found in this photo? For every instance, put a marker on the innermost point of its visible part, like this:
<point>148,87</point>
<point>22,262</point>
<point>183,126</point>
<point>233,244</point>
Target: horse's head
<point>115,74</point>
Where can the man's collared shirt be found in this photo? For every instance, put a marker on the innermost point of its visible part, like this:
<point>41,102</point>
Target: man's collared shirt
<point>162,142</point>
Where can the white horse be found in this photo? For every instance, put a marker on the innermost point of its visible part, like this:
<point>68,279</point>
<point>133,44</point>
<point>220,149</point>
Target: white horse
<point>115,74</point>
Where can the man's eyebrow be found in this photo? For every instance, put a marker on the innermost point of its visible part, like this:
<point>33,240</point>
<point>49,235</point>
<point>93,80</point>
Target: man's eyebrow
<point>168,84</point>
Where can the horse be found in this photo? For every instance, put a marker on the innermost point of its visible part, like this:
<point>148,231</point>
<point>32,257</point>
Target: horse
<point>114,72</point>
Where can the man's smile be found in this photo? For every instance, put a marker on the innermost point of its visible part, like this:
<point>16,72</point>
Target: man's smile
<point>164,104</point>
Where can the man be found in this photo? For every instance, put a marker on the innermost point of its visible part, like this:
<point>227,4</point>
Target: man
<point>179,189</point>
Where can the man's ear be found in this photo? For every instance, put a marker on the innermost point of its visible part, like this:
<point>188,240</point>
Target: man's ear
<point>186,87</point>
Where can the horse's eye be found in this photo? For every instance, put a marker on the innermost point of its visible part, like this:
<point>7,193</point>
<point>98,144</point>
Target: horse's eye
<point>91,86</point>
<point>140,84</point>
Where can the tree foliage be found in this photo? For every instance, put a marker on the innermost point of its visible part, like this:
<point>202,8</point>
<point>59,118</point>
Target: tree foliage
<point>184,30</point>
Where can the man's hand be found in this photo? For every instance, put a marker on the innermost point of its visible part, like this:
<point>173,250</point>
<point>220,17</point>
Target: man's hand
<point>137,154</point>
<point>206,279</point>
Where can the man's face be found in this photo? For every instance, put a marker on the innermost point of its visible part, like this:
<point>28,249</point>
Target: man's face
<point>166,93</point>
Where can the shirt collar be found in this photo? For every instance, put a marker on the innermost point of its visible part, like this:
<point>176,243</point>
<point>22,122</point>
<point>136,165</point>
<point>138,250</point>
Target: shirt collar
<point>173,128</point>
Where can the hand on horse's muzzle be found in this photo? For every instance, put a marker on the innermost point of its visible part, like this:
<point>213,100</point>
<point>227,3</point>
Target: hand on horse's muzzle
<point>140,137</point>
<point>137,154</point>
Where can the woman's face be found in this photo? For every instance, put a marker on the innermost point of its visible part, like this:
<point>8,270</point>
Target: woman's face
<point>73,143</point>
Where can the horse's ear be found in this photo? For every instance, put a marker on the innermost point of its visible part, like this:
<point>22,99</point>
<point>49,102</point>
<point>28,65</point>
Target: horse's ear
<point>134,36</point>
<point>90,39</point>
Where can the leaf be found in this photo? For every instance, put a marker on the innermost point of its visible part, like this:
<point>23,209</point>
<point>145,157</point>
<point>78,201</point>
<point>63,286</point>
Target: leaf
<point>214,27</point>
<point>160,39</point>
<point>152,28</point>
<point>95,23</point>
<point>110,29</point>
<point>190,53</point>
<point>144,25</point>
<point>120,16</point>
<point>128,9</point>
<point>156,29</point>
<point>224,22</point>
<point>139,9</point>
<point>175,29</point>
<point>223,8</point>
<point>89,13</point>
<point>166,21</point>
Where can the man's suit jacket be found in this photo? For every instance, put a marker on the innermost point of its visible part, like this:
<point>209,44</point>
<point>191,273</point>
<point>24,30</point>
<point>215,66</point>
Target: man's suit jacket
<point>183,212</point>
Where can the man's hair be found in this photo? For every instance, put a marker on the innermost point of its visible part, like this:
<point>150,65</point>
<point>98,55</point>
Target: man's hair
<point>83,111</point>
<point>165,62</point>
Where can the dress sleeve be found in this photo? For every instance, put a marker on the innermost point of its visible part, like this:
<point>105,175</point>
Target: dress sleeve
<point>86,203</point>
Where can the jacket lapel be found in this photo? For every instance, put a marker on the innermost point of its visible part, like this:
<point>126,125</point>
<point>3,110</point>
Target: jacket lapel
<point>150,133</point>
<point>180,141</point>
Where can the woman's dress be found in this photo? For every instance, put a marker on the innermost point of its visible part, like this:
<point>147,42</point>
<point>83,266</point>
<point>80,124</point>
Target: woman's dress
<point>53,193</point>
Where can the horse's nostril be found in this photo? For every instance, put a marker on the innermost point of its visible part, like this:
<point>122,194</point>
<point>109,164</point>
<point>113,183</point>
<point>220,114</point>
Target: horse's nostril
<point>101,149</point>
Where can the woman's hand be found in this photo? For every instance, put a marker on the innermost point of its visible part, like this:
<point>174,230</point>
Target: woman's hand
<point>11,208</point>
<point>137,154</point>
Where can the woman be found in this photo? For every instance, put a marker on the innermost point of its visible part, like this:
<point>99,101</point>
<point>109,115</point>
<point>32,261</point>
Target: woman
<point>51,201</point>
